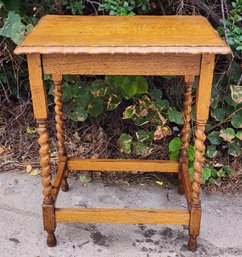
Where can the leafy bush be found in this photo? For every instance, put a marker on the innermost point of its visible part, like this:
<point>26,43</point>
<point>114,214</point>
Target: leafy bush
<point>148,105</point>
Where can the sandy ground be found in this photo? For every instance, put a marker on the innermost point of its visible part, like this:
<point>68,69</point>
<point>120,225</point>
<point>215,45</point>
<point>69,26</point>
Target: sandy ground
<point>21,232</point>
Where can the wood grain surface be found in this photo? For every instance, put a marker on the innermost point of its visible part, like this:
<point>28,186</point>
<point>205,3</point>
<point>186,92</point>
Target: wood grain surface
<point>110,34</point>
<point>122,165</point>
<point>136,216</point>
<point>122,64</point>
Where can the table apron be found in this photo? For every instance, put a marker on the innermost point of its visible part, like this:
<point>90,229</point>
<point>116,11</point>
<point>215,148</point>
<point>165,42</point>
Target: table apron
<point>122,64</point>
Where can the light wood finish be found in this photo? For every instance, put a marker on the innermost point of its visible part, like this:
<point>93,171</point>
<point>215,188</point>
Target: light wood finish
<point>45,160</point>
<point>138,216</point>
<point>186,182</point>
<point>122,64</point>
<point>122,165</point>
<point>185,133</point>
<point>49,220</point>
<point>202,111</point>
<point>138,34</point>
<point>48,202</point>
<point>37,86</point>
<point>59,177</point>
<point>203,94</point>
<point>59,124</point>
<point>140,45</point>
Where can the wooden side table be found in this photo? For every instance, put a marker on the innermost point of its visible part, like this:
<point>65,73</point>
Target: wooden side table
<point>139,45</point>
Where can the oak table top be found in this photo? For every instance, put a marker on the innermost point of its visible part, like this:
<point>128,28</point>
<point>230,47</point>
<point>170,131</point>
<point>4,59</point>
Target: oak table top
<point>123,34</point>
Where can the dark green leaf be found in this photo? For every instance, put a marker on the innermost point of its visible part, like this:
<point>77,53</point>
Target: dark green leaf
<point>214,138</point>
<point>237,120</point>
<point>95,107</point>
<point>175,116</point>
<point>211,151</point>
<point>219,114</point>
<point>156,93</point>
<point>142,85</point>
<point>161,104</point>
<point>234,149</point>
<point>142,135</point>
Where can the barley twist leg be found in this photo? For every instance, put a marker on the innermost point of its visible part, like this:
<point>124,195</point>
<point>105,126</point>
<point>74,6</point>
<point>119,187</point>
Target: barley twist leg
<point>185,132</point>
<point>48,203</point>
<point>194,227</point>
<point>60,126</point>
<point>203,96</point>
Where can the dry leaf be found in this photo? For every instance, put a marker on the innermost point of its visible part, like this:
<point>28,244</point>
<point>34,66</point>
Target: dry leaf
<point>29,168</point>
<point>2,150</point>
<point>160,183</point>
<point>34,172</point>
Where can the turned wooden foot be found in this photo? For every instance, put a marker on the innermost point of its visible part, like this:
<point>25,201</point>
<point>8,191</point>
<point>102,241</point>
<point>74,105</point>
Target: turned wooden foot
<point>64,185</point>
<point>192,243</point>
<point>51,239</point>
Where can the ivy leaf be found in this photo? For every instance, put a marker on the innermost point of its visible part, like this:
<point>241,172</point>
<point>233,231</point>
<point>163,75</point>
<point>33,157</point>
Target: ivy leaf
<point>140,148</point>
<point>175,144</point>
<point>81,102</point>
<point>128,88</point>
<point>14,28</point>
<point>142,85</point>
<point>227,134</point>
<point>213,138</point>
<point>98,88</point>
<point>230,101</point>
<point>237,120</point>
<point>219,114</point>
<point>95,107</point>
<point>174,156</point>
<point>161,104</point>
<point>239,134</point>
<point>236,93</point>
<point>191,153</point>
<point>156,93</point>
<point>125,143</point>
<point>79,115</point>
<point>142,135</point>
<point>211,151</point>
<point>207,172</point>
<point>234,149</point>
<point>175,116</point>
<point>129,112</point>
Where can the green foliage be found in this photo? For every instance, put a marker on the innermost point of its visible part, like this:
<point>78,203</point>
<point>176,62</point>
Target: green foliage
<point>75,6</point>
<point>123,8</point>
<point>175,116</point>
<point>233,31</point>
<point>149,107</point>
<point>211,151</point>
<point>14,28</point>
